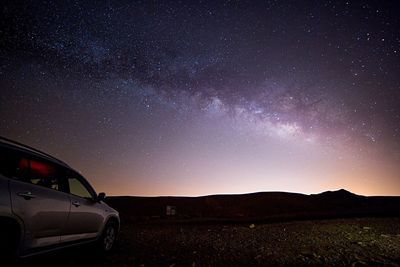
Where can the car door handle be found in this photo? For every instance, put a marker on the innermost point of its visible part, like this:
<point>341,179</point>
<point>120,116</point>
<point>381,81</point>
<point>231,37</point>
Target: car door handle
<point>27,195</point>
<point>76,203</point>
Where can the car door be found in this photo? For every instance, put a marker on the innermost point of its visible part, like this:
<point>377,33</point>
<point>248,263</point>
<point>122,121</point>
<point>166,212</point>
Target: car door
<point>87,215</point>
<point>39,201</point>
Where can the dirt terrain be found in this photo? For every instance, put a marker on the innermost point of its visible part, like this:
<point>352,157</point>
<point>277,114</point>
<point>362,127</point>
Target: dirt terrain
<point>339,242</point>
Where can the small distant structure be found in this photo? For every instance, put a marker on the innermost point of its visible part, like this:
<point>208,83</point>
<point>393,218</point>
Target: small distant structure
<point>171,210</point>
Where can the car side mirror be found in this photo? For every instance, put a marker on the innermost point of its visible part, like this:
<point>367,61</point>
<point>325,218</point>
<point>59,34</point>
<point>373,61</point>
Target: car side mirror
<point>101,196</point>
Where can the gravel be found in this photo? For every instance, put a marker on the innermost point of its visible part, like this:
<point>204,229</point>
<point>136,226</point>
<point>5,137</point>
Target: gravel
<point>340,242</point>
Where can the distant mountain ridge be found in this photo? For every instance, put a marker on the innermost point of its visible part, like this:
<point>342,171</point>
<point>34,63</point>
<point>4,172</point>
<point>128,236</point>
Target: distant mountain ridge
<point>256,206</point>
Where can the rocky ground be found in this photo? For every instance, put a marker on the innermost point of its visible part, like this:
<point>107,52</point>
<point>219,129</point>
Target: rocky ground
<point>340,242</point>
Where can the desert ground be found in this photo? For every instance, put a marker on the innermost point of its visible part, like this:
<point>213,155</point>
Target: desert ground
<point>336,242</point>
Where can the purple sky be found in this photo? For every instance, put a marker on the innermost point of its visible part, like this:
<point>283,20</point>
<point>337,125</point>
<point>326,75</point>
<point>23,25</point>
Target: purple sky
<point>196,98</point>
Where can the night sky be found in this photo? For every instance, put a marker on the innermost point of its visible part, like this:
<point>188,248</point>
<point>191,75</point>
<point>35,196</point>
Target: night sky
<point>195,98</point>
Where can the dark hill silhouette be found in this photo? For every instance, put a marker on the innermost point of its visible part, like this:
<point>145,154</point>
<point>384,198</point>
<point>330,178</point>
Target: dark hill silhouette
<point>257,206</point>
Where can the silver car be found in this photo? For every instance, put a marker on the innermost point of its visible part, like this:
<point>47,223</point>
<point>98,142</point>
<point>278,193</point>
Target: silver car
<point>46,205</point>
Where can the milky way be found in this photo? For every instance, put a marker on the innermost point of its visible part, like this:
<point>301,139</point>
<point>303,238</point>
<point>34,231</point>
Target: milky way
<point>192,98</point>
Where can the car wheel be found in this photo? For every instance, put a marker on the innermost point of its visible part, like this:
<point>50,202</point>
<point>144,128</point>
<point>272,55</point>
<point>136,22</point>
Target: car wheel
<point>8,245</point>
<point>109,237</point>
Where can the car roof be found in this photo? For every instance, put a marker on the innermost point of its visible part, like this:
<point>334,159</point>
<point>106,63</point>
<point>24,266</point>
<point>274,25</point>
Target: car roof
<point>27,149</point>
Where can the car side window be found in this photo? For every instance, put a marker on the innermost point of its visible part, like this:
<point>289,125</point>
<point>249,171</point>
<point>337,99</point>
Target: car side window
<point>45,174</point>
<point>13,165</point>
<point>77,187</point>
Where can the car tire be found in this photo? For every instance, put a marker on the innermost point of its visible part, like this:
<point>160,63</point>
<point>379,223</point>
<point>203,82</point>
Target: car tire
<point>108,237</point>
<point>8,246</point>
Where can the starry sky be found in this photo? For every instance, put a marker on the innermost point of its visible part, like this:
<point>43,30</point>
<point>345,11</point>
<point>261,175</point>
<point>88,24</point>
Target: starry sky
<point>207,97</point>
